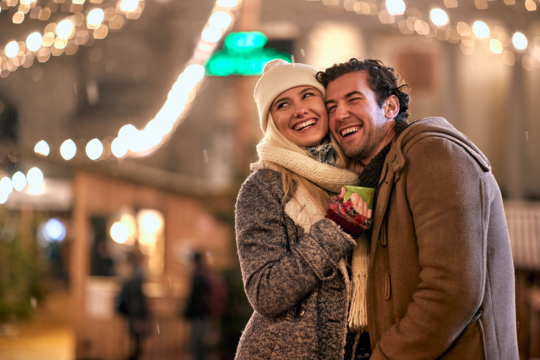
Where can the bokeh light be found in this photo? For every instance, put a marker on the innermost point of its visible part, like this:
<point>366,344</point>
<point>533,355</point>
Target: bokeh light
<point>19,181</point>
<point>119,232</point>
<point>95,18</point>
<point>42,148</point>
<point>520,41</point>
<point>211,34</point>
<point>34,177</point>
<point>68,149</point>
<point>12,49</point>
<point>438,17</point>
<point>129,5</point>
<point>6,186</point>
<point>495,46</point>
<point>395,7</point>
<point>480,30</point>
<point>220,20</point>
<point>54,230</point>
<point>33,42</point>
<point>94,149</point>
<point>119,147</point>
<point>227,3</point>
<point>65,29</point>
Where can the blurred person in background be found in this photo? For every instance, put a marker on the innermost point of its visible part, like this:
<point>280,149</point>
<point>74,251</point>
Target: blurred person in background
<point>441,276</point>
<point>196,311</point>
<point>132,304</point>
<point>291,255</point>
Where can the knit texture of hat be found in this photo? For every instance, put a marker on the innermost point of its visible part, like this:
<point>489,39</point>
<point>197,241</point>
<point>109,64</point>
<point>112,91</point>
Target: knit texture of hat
<point>279,76</point>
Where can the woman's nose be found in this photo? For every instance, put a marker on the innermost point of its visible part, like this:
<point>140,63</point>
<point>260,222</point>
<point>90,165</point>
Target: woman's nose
<point>300,110</point>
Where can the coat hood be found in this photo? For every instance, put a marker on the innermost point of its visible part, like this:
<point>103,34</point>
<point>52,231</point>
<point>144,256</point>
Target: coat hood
<point>432,127</point>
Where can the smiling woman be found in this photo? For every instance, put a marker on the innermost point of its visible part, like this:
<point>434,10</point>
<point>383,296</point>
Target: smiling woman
<point>300,115</point>
<point>290,254</point>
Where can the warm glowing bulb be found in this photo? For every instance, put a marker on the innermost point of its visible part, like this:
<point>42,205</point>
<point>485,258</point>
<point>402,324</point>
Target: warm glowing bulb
<point>119,232</point>
<point>211,34</point>
<point>95,17</point>
<point>12,49</point>
<point>129,5</point>
<point>520,41</point>
<point>19,181</point>
<point>68,149</point>
<point>480,29</point>
<point>34,177</point>
<point>33,41</point>
<point>495,46</point>
<point>220,20</point>
<point>194,73</point>
<point>64,28</point>
<point>42,148</point>
<point>94,149</point>
<point>227,3</point>
<point>6,186</point>
<point>395,7</point>
<point>438,17</point>
<point>119,147</point>
<point>127,131</point>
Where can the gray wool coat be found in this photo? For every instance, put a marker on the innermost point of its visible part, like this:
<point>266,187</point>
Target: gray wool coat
<point>293,273</point>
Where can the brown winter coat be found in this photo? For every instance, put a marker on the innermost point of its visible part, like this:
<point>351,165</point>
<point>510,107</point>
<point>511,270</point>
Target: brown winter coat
<point>441,280</point>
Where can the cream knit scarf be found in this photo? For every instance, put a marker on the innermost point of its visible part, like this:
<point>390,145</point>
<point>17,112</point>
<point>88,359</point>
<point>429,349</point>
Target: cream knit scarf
<point>331,179</point>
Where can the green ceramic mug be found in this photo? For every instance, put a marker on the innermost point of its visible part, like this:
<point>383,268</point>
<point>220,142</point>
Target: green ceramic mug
<point>366,193</point>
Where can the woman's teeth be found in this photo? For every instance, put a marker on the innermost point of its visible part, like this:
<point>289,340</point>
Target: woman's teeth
<point>349,131</point>
<point>303,125</point>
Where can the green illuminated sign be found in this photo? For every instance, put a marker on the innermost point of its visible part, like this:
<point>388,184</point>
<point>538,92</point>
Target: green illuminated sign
<point>243,54</point>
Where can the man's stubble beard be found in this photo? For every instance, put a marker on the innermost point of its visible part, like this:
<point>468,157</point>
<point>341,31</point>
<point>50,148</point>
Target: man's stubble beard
<point>368,145</point>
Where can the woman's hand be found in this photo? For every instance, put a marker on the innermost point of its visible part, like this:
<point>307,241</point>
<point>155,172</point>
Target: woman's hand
<point>353,215</point>
<point>358,203</point>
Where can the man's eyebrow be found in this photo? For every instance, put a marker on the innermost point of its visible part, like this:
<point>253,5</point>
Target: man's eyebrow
<point>348,95</point>
<point>355,92</point>
<point>330,101</point>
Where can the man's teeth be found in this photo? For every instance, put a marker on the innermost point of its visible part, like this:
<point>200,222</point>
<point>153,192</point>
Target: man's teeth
<point>349,131</point>
<point>304,124</point>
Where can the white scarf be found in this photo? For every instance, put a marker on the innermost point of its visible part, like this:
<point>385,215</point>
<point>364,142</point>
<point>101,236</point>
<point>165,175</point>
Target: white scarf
<point>331,179</point>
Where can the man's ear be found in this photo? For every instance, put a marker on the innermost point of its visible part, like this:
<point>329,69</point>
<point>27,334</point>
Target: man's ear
<point>391,107</point>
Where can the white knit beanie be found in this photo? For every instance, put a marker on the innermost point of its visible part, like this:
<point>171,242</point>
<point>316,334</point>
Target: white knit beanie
<point>279,76</point>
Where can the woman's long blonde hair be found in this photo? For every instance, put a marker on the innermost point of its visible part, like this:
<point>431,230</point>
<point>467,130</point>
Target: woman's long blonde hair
<point>274,137</point>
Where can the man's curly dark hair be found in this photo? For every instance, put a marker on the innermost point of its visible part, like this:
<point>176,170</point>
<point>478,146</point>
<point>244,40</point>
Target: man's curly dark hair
<point>383,80</point>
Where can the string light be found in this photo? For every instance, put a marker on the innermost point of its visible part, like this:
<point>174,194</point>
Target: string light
<point>69,37</point>
<point>19,181</point>
<point>94,149</point>
<point>438,17</point>
<point>493,40</point>
<point>12,49</point>
<point>33,42</point>
<point>42,148</point>
<point>95,18</point>
<point>520,41</point>
<point>135,142</point>
<point>68,149</point>
<point>480,29</point>
<point>395,7</point>
<point>34,177</point>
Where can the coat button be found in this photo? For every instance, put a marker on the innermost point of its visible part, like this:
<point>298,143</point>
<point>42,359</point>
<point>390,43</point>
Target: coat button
<point>301,313</point>
<point>328,272</point>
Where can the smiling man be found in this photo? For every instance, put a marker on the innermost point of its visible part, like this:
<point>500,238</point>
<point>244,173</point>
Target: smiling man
<point>441,281</point>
